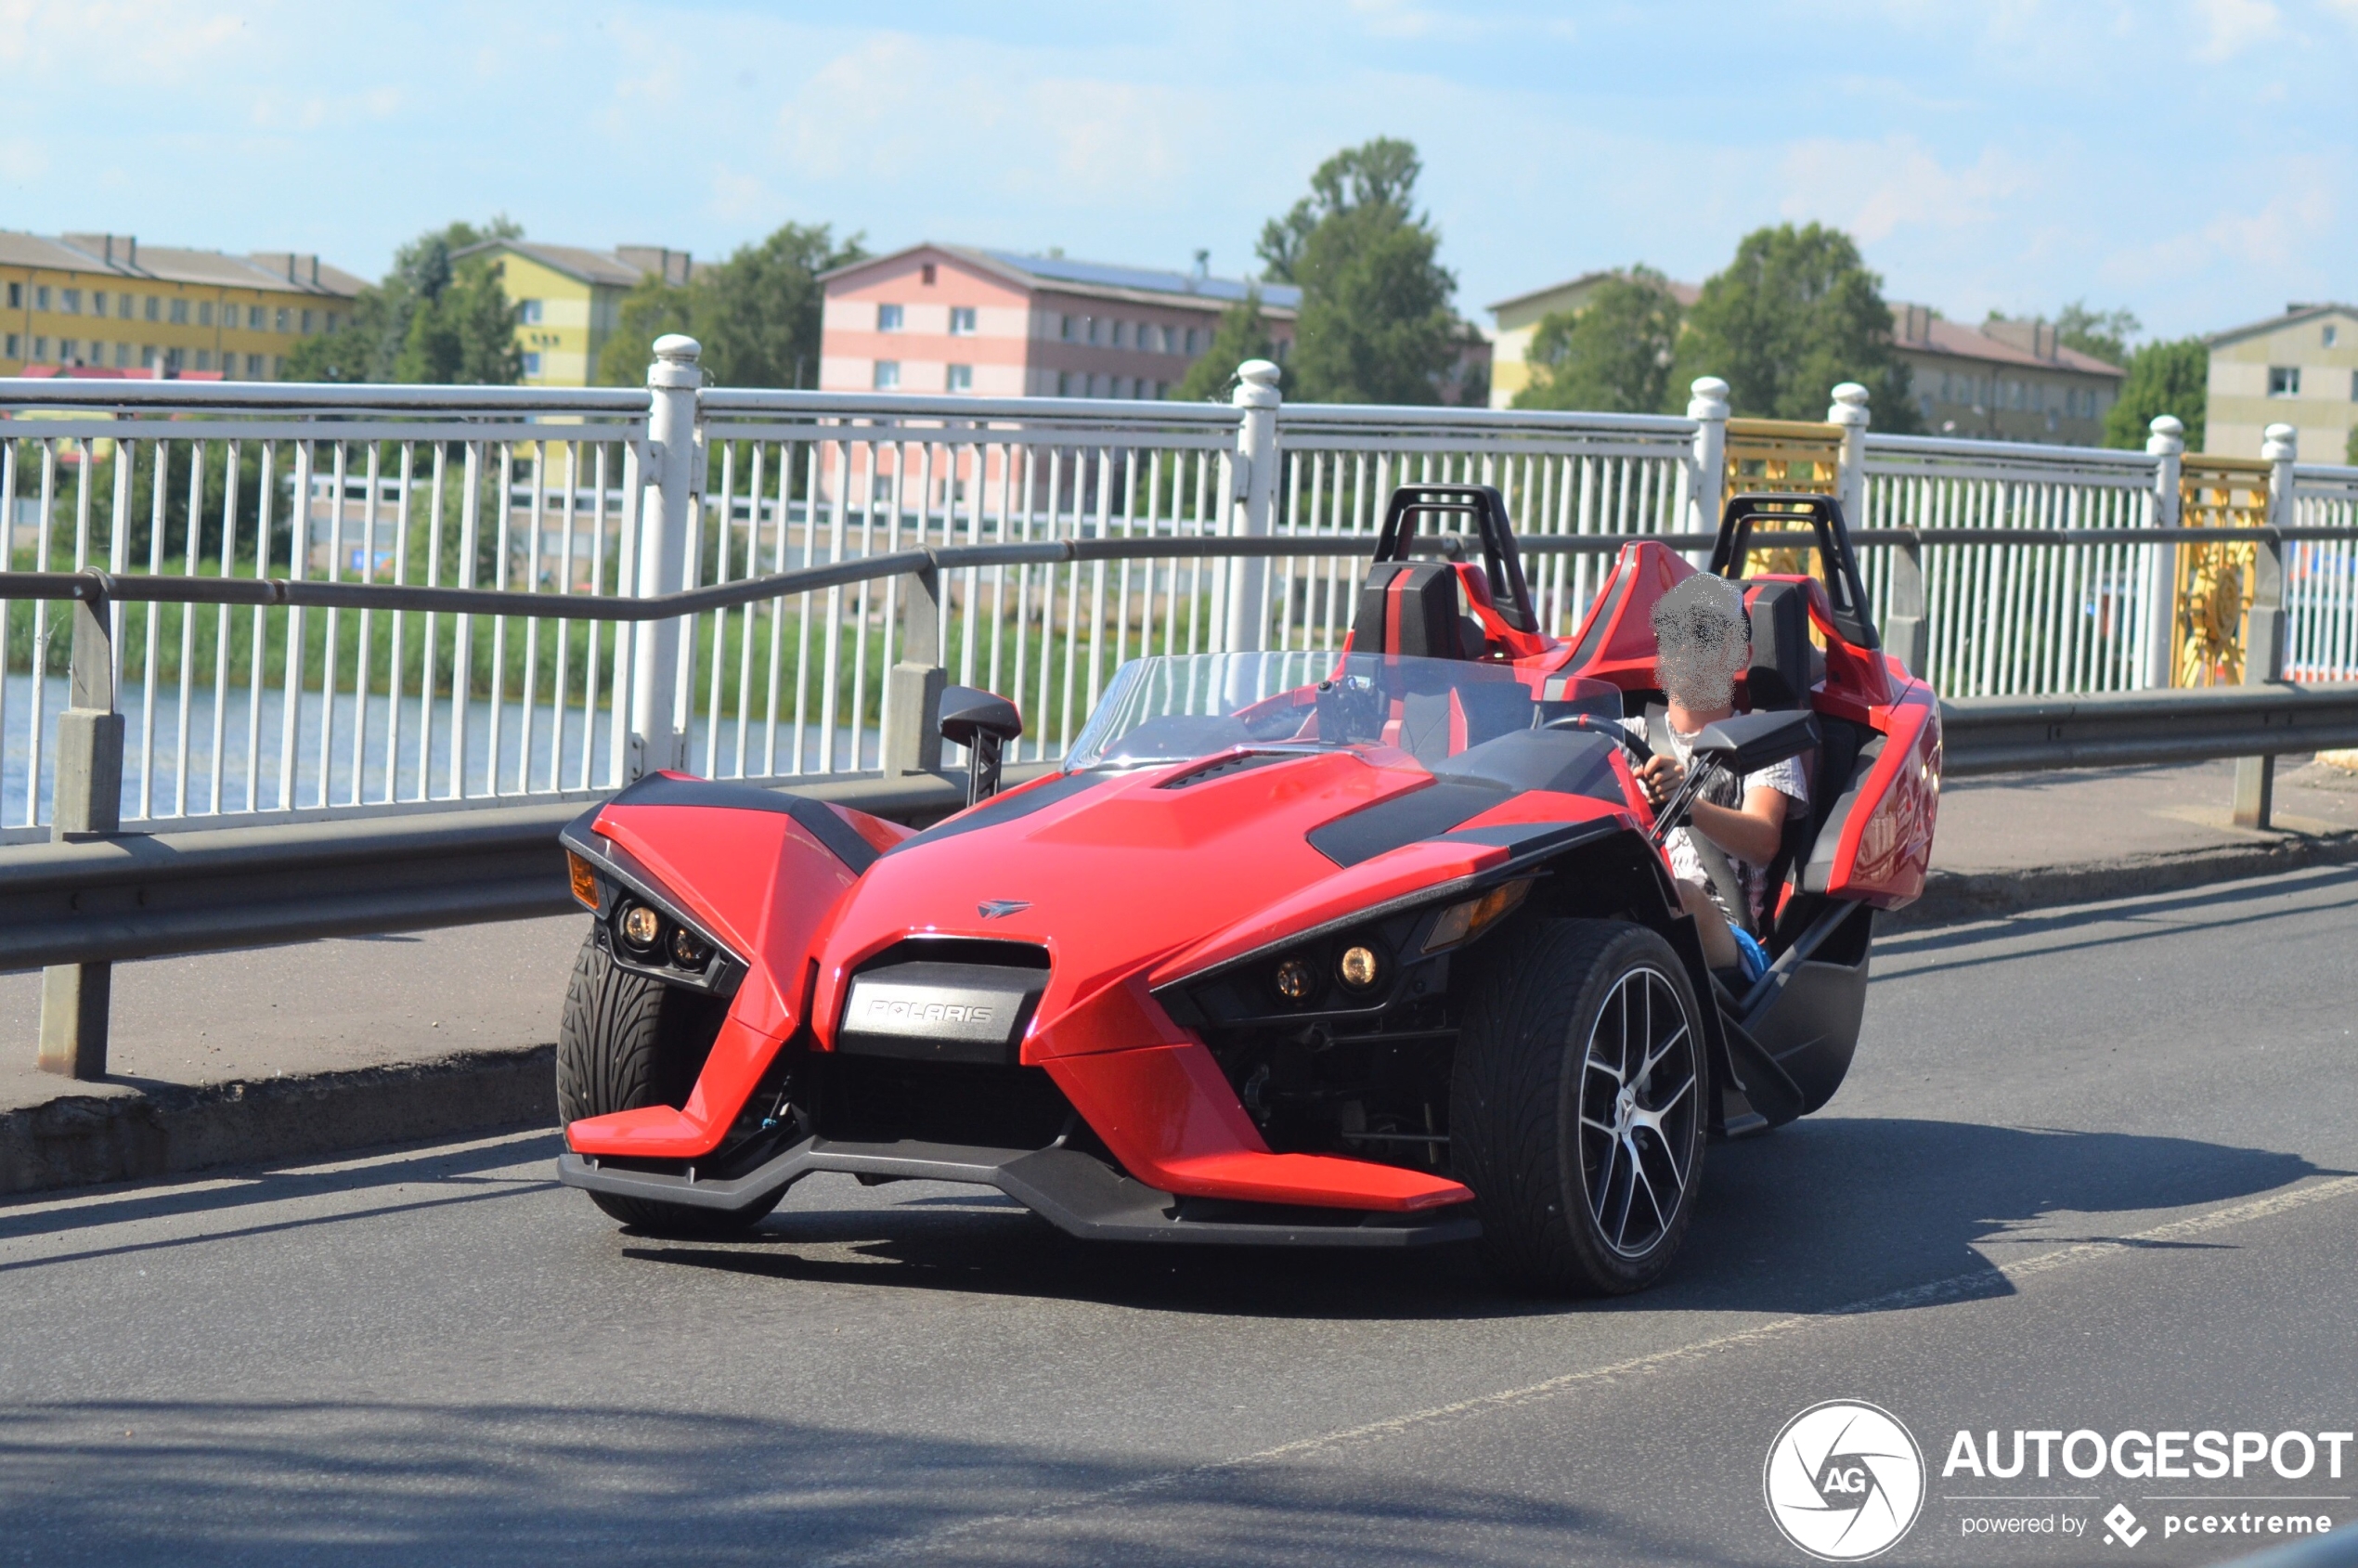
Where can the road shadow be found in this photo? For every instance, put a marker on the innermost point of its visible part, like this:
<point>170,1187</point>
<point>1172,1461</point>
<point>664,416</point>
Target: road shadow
<point>1816,1217</point>
<point>358,1482</point>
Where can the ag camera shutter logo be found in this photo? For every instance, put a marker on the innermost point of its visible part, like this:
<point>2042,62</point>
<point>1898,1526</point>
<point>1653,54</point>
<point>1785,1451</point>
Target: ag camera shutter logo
<point>1843,1480</point>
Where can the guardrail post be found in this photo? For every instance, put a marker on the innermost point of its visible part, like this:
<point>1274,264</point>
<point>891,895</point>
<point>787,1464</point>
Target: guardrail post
<point>1850,412</point>
<point>86,801</point>
<point>674,481</point>
<point>2167,446</point>
<point>1907,630</point>
<point>2264,621</point>
<point>1255,487</point>
<point>911,717</point>
<point>1707,405</point>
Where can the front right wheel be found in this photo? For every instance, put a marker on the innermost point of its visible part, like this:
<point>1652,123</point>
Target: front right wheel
<point>1576,1106</point>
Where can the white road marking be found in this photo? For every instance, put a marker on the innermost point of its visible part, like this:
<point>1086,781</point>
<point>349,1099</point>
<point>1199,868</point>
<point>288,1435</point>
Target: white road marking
<point>1954,1287</point>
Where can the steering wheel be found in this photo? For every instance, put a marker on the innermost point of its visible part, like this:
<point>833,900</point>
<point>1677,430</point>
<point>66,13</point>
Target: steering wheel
<point>1639,752</point>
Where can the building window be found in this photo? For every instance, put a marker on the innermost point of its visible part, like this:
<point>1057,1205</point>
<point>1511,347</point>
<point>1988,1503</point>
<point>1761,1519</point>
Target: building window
<point>1089,327</point>
<point>2284,380</point>
<point>1192,350</point>
<point>888,319</point>
<point>1114,332</point>
<point>204,360</point>
<point>70,300</point>
<point>1063,384</point>
<point>41,296</point>
<point>256,366</point>
<point>2353,386</point>
<point>283,318</point>
<point>2333,334</point>
<point>253,317</point>
<point>529,312</point>
<point>122,307</point>
<point>1064,327</point>
<point>961,377</point>
<point>888,374</point>
<point>154,307</point>
<point>174,358</point>
<point>69,350</point>
<point>179,313</point>
<point>98,301</point>
<point>41,350</point>
<point>204,313</point>
<point>148,356</point>
<point>16,302</point>
<point>962,321</point>
<point>532,363</point>
<point>308,317</point>
<point>16,346</point>
<point>926,272</point>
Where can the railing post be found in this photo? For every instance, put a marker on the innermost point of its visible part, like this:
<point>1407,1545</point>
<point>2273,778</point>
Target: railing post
<point>1707,405</point>
<point>673,480</point>
<point>2264,621</point>
<point>88,800</point>
<point>911,717</point>
<point>1849,412</point>
<point>2167,445</point>
<point>1254,485</point>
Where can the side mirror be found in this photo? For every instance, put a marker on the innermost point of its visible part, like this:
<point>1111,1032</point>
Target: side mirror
<point>983,724</point>
<point>1750,742</point>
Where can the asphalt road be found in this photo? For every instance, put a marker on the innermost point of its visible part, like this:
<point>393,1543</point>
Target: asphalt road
<point>2090,1172</point>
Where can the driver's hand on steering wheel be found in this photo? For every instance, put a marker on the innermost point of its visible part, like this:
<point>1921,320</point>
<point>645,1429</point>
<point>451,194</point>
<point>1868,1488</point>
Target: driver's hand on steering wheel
<point>1660,776</point>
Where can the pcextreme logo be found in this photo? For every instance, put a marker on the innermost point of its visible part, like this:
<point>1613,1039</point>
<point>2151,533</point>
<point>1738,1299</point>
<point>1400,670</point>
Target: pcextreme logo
<point>1843,1480</point>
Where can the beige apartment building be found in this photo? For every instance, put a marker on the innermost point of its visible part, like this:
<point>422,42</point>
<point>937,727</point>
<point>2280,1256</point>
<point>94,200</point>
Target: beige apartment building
<point>105,301</point>
<point>2299,368</point>
<point>2002,381</point>
<point>1516,322</point>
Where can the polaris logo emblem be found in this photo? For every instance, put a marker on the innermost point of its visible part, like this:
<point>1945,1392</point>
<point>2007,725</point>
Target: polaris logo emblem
<point>993,909</point>
<point>900,1009</point>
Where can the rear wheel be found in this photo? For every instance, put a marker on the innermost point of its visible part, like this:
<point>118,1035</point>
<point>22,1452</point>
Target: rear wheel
<point>625,1042</point>
<point>1576,1106</point>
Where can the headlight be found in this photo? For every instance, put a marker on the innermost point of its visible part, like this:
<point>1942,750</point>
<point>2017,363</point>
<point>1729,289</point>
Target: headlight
<point>639,928</point>
<point>1359,967</point>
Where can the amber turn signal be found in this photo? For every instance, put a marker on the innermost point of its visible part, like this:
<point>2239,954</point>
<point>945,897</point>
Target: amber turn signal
<point>1463,921</point>
<point>585,880</point>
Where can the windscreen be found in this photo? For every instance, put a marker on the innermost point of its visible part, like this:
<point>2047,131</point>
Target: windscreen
<point>1178,707</point>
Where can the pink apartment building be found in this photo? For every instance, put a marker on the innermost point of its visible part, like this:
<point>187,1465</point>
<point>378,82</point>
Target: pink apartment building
<point>950,318</point>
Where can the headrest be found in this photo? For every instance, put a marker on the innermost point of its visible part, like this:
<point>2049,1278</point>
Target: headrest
<point>1783,664</point>
<point>1410,608</point>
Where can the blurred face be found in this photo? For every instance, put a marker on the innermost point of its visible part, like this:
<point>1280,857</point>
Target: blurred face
<point>1702,642</point>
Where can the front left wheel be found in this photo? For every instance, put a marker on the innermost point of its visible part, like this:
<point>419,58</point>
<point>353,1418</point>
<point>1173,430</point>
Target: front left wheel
<point>1576,1106</point>
<point>625,1041</point>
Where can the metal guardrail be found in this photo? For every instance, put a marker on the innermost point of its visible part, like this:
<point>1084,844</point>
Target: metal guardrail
<point>1982,735</point>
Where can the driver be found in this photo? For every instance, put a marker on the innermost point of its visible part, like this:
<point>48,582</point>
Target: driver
<point>1703,641</point>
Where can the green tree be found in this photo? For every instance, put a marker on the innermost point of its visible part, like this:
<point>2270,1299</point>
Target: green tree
<point>755,314</point>
<point>2104,333</point>
<point>1796,313</point>
<point>1376,324</point>
<point>1243,335</point>
<point>468,331</point>
<point>2164,378</point>
<point>1613,355</point>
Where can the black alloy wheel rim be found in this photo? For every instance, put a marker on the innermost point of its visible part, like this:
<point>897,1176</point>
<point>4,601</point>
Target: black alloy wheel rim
<point>1638,1101</point>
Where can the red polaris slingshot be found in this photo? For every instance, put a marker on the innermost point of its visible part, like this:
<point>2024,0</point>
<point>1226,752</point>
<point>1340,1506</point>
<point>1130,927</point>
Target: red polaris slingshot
<point>1376,949</point>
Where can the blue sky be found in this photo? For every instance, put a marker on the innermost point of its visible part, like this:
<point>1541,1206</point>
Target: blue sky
<point>2196,160</point>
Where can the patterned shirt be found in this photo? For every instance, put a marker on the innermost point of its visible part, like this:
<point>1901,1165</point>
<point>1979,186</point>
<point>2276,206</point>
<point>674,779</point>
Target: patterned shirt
<point>1784,777</point>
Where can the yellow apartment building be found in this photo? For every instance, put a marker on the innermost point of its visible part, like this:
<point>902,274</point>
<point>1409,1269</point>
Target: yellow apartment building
<point>2299,368</point>
<point>1517,319</point>
<point>105,300</point>
<point>568,299</point>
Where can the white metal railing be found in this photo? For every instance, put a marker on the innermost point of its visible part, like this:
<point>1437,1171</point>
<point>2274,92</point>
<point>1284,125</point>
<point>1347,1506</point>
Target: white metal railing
<point>249,712</point>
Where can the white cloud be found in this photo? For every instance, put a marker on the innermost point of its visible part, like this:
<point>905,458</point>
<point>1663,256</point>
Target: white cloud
<point>1874,189</point>
<point>2232,26</point>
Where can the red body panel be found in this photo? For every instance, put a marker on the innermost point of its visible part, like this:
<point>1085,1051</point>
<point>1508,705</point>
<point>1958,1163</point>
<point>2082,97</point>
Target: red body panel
<point>1886,846</point>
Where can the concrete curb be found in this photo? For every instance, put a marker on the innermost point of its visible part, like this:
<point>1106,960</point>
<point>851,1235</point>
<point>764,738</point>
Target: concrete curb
<point>1951,897</point>
<point>166,1129</point>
